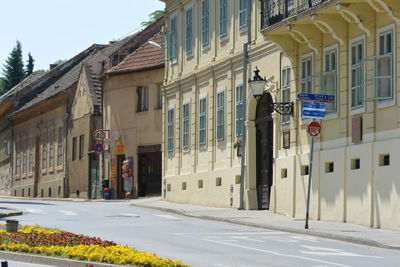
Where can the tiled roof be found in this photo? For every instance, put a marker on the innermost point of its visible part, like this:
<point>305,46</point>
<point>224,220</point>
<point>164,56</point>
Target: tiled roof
<point>145,57</point>
<point>27,81</point>
<point>69,78</point>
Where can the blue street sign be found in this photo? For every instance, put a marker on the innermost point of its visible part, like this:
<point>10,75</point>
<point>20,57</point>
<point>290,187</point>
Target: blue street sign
<point>316,98</point>
<point>314,105</point>
<point>315,114</point>
<point>98,147</point>
<point>315,110</point>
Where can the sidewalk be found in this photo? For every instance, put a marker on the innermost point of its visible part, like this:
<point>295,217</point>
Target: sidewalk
<point>340,231</point>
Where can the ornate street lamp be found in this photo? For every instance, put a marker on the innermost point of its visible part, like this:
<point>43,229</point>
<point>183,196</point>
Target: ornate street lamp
<point>257,87</point>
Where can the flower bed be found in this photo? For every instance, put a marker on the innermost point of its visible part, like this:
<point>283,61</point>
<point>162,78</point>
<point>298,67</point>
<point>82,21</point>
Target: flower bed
<point>53,242</point>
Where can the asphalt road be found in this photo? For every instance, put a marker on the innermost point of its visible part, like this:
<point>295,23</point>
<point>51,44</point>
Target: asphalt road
<point>194,241</point>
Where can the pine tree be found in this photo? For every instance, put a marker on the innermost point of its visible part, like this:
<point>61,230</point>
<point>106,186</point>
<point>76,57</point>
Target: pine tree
<point>1,86</point>
<point>30,64</point>
<point>14,68</point>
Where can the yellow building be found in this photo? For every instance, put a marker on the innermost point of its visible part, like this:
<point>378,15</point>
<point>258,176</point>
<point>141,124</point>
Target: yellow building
<point>132,118</point>
<point>340,47</point>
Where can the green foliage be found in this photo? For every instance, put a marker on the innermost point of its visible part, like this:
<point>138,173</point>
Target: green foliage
<point>60,61</point>
<point>153,17</point>
<point>29,65</point>
<point>14,67</point>
<point>2,90</point>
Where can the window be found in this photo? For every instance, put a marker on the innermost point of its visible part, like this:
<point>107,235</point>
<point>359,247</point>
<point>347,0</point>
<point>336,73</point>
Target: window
<point>240,95</point>
<point>17,159</point>
<point>60,146</point>
<point>220,116</point>
<point>170,121</point>
<point>329,79</point>
<point>189,30</point>
<point>159,97</point>
<point>173,39</point>
<point>202,121</point>
<point>306,76</point>
<point>243,14</point>
<point>74,148</point>
<point>51,151</point>
<point>223,18</point>
<point>143,98</point>
<point>30,157</point>
<point>186,126</point>
<point>24,156</point>
<point>44,152</point>
<point>285,84</point>
<point>357,88</point>
<point>81,146</point>
<point>384,66</point>
<point>205,22</point>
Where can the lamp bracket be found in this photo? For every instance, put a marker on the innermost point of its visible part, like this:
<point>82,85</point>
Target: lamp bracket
<point>283,108</point>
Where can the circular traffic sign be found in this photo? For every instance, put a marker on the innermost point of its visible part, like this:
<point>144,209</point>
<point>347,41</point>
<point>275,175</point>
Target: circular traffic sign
<point>314,128</point>
<point>98,147</point>
<point>99,135</point>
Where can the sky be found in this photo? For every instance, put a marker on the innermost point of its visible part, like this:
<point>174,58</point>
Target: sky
<point>59,29</point>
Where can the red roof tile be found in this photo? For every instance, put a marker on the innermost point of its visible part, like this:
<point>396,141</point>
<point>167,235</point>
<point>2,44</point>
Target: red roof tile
<point>144,57</point>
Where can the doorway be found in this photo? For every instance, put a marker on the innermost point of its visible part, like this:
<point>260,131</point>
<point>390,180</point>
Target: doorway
<point>149,174</point>
<point>37,167</point>
<point>264,150</point>
<point>120,180</point>
<point>93,176</point>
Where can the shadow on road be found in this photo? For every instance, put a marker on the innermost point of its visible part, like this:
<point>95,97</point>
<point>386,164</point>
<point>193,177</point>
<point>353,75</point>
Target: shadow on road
<point>26,203</point>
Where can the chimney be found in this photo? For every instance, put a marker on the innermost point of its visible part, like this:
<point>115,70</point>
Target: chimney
<point>52,66</point>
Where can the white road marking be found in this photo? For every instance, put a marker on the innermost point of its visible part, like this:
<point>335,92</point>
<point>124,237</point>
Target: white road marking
<point>333,252</point>
<point>250,233</point>
<point>169,217</point>
<point>38,211</point>
<point>247,238</point>
<point>275,253</point>
<point>279,239</point>
<point>129,215</point>
<point>68,212</point>
<point>305,238</point>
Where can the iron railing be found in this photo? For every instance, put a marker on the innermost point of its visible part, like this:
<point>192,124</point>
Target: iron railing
<point>274,11</point>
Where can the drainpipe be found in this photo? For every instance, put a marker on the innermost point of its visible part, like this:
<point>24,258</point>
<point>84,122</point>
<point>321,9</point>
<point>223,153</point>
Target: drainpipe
<point>243,143</point>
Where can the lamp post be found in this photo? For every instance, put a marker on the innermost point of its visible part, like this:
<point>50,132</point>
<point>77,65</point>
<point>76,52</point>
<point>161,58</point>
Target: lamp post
<point>257,87</point>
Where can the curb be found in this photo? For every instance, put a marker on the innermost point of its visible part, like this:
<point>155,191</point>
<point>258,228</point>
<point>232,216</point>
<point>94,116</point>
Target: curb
<point>51,261</point>
<point>349,239</point>
<point>66,199</point>
<point>11,214</point>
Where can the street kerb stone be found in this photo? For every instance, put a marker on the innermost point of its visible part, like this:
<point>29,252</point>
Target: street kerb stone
<point>51,261</point>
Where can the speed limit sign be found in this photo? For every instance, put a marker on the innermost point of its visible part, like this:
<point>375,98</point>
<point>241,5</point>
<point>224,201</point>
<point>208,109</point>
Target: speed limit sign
<point>99,135</point>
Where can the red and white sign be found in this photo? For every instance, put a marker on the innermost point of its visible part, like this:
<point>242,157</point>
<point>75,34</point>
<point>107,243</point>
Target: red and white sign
<point>314,128</point>
<point>99,135</point>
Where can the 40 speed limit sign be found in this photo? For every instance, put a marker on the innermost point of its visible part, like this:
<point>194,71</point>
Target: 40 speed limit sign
<point>99,135</point>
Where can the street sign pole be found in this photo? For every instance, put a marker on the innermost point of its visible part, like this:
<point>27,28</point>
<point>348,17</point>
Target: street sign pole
<point>309,179</point>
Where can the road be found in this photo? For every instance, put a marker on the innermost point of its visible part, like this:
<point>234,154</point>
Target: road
<point>194,241</point>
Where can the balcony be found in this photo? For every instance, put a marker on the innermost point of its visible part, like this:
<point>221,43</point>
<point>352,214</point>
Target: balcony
<point>275,11</point>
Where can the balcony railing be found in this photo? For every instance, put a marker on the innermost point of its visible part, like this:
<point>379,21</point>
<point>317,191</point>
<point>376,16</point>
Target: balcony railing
<point>274,11</point>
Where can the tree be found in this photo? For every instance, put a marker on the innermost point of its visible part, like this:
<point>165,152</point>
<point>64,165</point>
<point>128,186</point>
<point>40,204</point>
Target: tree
<point>153,17</point>
<point>14,68</point>
<point>30,64</point>
<point>60,61</point>
<point>2,86</point>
